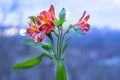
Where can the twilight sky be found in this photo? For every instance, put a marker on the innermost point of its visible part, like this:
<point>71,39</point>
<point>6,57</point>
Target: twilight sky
<point>103,12</point>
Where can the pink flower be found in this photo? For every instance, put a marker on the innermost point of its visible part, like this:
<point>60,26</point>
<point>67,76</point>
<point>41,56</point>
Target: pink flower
<point>36,32</point>
<point>46,19</point>
<point>44,24</point>
<point>82,23</point>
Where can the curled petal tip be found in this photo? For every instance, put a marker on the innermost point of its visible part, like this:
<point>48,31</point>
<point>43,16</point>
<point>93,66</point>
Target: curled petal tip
<point>84,12</point>
<point>83,15</point>
<point>51,5</point>
<point>51,8</point>
<point>52,12</point>
<point>82,23</point>
<point>87,17</point>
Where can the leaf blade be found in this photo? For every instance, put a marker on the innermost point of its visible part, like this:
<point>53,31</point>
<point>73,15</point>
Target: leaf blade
<point>33,18</point>
<point>31,42</point>
<point>59,22</point>
<point>69,28</point>
<point>27,64</point>
<point>31,63</point>
<point>47,48</point>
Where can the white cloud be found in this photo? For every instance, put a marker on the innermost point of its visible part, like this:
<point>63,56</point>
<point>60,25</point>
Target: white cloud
<point>12,19</point>
<point>1,15</point>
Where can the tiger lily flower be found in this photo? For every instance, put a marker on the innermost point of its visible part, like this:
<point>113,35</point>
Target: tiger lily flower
<point>52,12</point>
<point>44,24</point>
<point>36,32</point>
<point>46,19</point>
<point>82,23</point>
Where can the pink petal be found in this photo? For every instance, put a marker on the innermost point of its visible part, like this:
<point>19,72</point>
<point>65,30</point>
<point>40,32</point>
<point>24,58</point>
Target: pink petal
<point>82,16</point>
<point>87,17</point>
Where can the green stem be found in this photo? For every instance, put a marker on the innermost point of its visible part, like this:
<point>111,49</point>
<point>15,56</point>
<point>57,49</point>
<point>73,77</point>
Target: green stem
<point>60,68</point>
<point>60,71</point>
<point>61,42</point>
<point>52,43</point>
<point>58,42</point>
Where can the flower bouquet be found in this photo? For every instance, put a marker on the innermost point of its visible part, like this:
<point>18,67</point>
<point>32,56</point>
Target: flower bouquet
<point>47,25</point>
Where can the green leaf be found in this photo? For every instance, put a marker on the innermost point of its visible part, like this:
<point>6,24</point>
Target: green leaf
<point>31,63</point>
<point>60,71</point>
<point>33,18</point>
<point>46,56</point>
<point>69,27</point>
<point>31,42</point>
<point>28,64</point>
<point>47,47</point>
<point>62,14</point>
<point>66,44</point>
<point>78,30</point>
<point>59,22</point>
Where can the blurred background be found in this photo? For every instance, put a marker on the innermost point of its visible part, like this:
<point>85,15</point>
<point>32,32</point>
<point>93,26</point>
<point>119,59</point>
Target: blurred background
<point>94,56</point>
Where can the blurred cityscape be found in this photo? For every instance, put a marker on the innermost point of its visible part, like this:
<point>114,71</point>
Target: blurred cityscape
<point>93,56</point>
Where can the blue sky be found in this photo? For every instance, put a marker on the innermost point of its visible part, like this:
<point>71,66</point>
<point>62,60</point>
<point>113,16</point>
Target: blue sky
<point>103,12</point>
